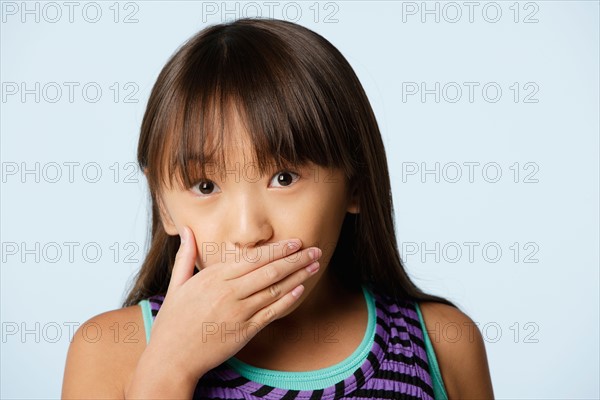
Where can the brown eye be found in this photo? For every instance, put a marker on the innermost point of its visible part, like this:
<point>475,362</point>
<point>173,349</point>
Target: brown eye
<point>286,178</point>
<point>205,187</point>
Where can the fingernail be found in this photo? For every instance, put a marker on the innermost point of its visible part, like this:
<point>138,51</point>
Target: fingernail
<point>314,267</point>
<point>314,253</point>
<point>183,235</point>
<point>293,245</point>
<point>297,291</point>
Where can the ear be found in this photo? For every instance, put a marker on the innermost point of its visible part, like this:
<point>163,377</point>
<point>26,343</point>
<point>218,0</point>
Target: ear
<point>353,203</point>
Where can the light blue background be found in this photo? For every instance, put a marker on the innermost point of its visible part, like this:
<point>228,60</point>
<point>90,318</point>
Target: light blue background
<point>555,356</point>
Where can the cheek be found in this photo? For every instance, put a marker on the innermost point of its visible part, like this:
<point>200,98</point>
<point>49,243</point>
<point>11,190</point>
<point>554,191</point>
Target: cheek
<point>207,246</point>
<point>318,225</point>
<point>208,249</point>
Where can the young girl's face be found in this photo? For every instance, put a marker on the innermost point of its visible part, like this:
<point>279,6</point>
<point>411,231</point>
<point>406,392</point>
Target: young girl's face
<point>232,212</point>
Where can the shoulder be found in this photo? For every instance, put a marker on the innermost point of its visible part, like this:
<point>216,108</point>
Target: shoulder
<point>103,354</point>
<point>459,349</point>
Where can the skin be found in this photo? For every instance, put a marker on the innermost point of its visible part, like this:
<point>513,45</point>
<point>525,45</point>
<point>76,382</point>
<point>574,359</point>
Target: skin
<point>237,216</point>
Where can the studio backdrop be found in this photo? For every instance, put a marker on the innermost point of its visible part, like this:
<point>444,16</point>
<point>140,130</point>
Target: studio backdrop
<point>488,111</point>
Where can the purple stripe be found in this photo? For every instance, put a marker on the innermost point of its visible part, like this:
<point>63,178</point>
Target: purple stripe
<point>251,386</point>
<point>410,312</point>
<point>330,391</point>
<point>398,387</point>
<point>414,371</point>
<point>350,383</point>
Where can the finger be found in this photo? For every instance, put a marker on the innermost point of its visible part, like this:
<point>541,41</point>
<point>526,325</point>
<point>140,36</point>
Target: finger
<point>264,255</point>
<point>273,311</point>
<point>274,292</point>
<point>183,269</point>
<point>266,281</point>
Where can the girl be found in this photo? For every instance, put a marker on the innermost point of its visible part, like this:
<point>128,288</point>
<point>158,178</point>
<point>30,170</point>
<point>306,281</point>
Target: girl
<point>273,270</point>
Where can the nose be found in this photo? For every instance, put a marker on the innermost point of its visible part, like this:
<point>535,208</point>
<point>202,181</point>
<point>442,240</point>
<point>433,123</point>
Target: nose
<point>249,220</point>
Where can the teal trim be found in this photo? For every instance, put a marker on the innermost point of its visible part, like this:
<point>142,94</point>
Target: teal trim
<point>147,315</point>
<point>319,378</point>
<point>439,391</point>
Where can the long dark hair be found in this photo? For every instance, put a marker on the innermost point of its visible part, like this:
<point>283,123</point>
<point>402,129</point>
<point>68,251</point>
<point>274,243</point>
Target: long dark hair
<point>300,100</point>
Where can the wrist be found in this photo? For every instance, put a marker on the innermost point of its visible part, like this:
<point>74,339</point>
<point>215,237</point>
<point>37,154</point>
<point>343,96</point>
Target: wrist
<point>157,376</point>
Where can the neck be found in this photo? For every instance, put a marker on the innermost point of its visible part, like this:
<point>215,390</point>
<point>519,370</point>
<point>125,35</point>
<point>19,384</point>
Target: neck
<point>326,302</point>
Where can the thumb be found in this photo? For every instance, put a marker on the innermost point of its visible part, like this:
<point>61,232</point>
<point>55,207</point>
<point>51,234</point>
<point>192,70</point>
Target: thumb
<point>185,260</point>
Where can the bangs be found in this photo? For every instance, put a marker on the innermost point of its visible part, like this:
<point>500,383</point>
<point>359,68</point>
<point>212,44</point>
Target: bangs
<point>290,109</point>
<point>198,148</point>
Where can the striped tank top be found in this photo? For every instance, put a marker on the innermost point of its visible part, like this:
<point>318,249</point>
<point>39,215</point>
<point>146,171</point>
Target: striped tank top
<point>395,360</point>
